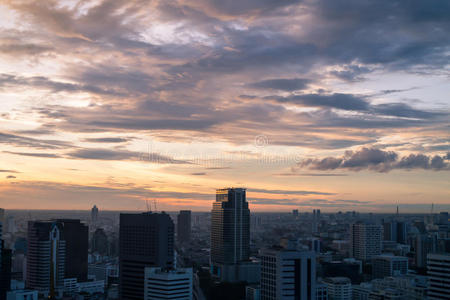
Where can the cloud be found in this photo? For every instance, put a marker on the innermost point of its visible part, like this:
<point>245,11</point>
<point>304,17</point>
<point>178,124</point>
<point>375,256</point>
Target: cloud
<point>34,154</point>
<point>377,160</point>
<point>282,84</point>
<point>288,192</point>
<point>106,140</point>
<point>23,141</point>
<point>199,174</point>
<point>10,177</point>
<point>8,171</point>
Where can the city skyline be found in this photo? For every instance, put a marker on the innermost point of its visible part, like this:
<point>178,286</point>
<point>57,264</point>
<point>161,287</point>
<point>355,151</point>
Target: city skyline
<point>330,105</point>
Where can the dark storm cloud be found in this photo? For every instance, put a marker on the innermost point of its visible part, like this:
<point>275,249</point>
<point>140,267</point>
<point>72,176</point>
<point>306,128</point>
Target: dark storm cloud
<point>281,84</point>
<point>403,110</point>
<point>377,160</point>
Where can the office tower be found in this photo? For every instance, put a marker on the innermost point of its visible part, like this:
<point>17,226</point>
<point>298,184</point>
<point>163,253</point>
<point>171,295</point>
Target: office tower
<point>438,269</point>
<point>146,240</point>
<point>76,236</point>
<point>315,221</point>
<point>2,215</point>
<point>46,256</point>
<point>94,215</point>
<point>295,213</point>
<point>230,233</point>
<point>162,283</point>
<point>389,265</point>
<point>287,273</point>
<point>100,242</point>
<point>339,288</point>
<point>321,291</point>
<point>5,267</point>
<point>423,245</point>
<point>184,226</point>
<point>349,268</point>
<point>365,240</point>
<point>443,218</point>
<point>394,231</point>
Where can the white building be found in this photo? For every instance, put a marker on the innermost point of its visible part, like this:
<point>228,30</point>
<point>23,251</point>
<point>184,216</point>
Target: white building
<point>339,288</point>
<point>22,295</point>
<point>168,284</point>
<point>287,273</point>
<point>365,240</point>
<point>438,266</point>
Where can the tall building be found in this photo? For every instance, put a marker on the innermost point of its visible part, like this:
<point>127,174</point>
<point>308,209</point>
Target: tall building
<point>76,236</point>
<point>230,233</point>
<point>394,231</point>
<point>46,257</point>
<point>339,288</point>
<point>389,265</point>
<point>5,268</point>
<point>287,273</point>
<point>424,244</point>
<point>57,249</point>
<point>438,269</point>
<point>168,284</point>
<point>94,215</point>
<point>146,240</point>
<point>184,226</point>
<point>365,240</point>
<point>100,242</point>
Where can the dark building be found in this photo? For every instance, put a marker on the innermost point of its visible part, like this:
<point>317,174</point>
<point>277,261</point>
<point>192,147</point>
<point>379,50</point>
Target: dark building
<point>5,268</point>
<point>394,231</point>
<point>146,240</point>
<point>76,235</point>
<point>350,270</point>
<point>46,251</point>
<point>100,242</point>
<point>230,232</point>
<point>184,226</point>
<point>61,244</point>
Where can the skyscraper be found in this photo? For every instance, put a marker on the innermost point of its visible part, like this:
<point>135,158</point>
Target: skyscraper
<point>184,226</point>
<point>5,268</point>
<point>94,215</point>
<point>57,249</point>
<point>230,233</point>
<point>287,273</point>
<point>146,240</point>
<point>394,231</point>
<point>168,284</point>
<point>100,242</point>
<point>46,256</point>
<point>365,240</point>
<point>76,235</point>
<point>438,276</point>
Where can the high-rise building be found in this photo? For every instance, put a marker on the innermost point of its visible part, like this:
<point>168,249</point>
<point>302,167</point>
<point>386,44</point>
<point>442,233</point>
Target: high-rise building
<point>94,215</point>
<point>389,265</point>
<point>230,233</point>
<point>438,269</point>
<point>5,268</point>
<point>76,236</point>
<point>184,226</point>
<point>339,288</point>
<point>46,256</point>
<point>168,284</point>
<point>146,240</point>
<point>424,244</point>
<point>287,273</point>
<point>100,242</point>
<point>365,240</point>
<point>295,213</point>
<point>57,249</point>
<point>394,231</point>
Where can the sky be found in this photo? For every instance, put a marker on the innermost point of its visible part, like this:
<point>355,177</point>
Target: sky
<point>324,104</point>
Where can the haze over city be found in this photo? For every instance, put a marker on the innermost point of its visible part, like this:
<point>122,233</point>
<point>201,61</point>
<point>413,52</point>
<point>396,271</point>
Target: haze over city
<point>337,105</point>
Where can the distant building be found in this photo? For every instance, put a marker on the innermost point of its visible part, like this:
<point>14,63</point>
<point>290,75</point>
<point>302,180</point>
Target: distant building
<point>350,268</point>
<point>100,242</point>
<point>321,291</point>
<point>94,215</point>
<point>5,267</point>
<point>365,241</point>
<point>295,213</point>
<point>168,284</point>
<point>424,244</point>
<point>394,231</point>
<point>438,269</point>
<point>252,292</point>
<point>411,287</point>
<point>389,265</point>
<point>22,295</point>
<point>287,273</point>
<point>184,226</point>
<point>146,240</point>
<point>339,288</point>
<point>230,235</point>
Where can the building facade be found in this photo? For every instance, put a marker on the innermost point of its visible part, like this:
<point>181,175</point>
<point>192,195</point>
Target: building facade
<point>365,240</point>
<point>184,226</point>
<point>168,284</point>
<point>146,240</point>
<point>339,288</point>
<point>438,269</point>
<point>389,265</point>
